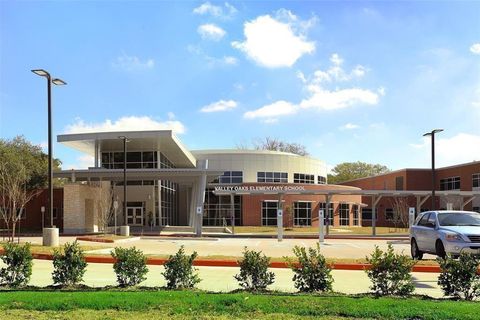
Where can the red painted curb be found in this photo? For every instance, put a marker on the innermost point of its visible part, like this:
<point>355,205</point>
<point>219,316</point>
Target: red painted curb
<point>234,263</point>
<point>91,239</point>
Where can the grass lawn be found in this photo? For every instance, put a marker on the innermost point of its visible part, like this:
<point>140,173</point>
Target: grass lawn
<point>202,305</point>
<point>39,249</point>
<point>333,230</point>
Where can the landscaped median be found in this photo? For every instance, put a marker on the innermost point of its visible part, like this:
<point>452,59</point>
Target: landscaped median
<point>152,304</point>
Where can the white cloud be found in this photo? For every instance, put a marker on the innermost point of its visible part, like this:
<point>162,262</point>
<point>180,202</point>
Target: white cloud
<point>131,123</point>
<point>221,105</point>
<point>349,126</point>
<point>322,98</point>
<point>336,72</point>
<point>211,31</point>
<point>475,48</point>
<point>272,43</point>
<point>133,63</point>
<point>272,111</point>
<point>83,162</point>
<point>460,148</point>
<point>226,11</point>
<point>212,61</point>
<point>230,60</point>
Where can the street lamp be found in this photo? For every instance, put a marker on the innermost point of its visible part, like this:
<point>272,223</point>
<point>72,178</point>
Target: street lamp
<point>432,134</point>
<point>58,82</point>
<point>125,140</point>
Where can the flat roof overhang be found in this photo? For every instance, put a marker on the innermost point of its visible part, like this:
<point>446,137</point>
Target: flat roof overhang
<point>161,140</point>
<point>100,174</point>
<point>386,193</point>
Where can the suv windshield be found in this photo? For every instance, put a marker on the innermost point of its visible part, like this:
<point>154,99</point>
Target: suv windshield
<point>458,219</point>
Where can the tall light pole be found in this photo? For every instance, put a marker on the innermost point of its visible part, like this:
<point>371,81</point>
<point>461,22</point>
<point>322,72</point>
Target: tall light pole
<point>125,140</point>
<point>58,82</point>
<point>432,134</point>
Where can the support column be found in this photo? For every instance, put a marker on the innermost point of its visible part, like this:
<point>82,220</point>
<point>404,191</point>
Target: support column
<point>328,199</point>
<point>200,199</point>
<point>375,201</point>
<point>464,203</point>
<point>232,208</point>
<point>420,202</point>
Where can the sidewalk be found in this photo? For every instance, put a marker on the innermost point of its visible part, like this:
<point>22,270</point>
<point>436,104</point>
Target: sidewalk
<point>221,279</point>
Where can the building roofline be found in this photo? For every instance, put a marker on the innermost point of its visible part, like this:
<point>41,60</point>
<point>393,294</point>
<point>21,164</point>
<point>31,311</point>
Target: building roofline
<point>413,169</point>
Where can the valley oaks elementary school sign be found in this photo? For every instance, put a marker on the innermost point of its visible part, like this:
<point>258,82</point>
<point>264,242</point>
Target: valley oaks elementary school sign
<point>259,188</point>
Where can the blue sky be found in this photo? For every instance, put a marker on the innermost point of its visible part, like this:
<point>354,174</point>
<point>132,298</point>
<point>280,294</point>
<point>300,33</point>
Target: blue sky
<point>349,80</point>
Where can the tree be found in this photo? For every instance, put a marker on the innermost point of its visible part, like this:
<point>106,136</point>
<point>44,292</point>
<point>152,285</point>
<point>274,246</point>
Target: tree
<point>275,144</point>
<point>400,211</point>
<point>32,158</point>
<point>23,171</point>
<point>14,194</point>
<point>354,170</point>
<point>105,205</point>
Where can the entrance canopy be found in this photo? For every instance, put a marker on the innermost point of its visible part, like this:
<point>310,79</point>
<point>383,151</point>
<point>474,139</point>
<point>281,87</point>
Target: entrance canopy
<point>163,140</point>
<point>174,175</point>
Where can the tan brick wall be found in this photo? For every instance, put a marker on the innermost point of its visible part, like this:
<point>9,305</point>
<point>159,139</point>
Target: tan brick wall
<point>78,216</point>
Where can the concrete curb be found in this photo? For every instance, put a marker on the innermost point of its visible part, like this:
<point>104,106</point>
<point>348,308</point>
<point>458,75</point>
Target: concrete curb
<point>234,263</point>
<point>93,239</point>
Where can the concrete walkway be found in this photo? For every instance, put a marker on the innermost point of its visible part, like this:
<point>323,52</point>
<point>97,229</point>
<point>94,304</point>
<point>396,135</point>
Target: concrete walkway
<point>332,248</point>
<point>221,278</point>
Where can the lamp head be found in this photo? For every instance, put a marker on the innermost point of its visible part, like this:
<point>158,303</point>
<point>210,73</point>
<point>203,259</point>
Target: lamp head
<point>58,82</point>
<point>41,72</point>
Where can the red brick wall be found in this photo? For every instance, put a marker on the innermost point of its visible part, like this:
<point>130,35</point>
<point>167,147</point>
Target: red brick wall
<point>33,221</point>
<point>252,204</point>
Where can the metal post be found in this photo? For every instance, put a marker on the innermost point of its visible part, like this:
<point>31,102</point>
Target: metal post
<point>432,134</point>
<point>321,237</point>
<point>327,208</point>
<point>125,180</point>
<point>50,151</point>
<point>433,170</point>
<point>280,218</point>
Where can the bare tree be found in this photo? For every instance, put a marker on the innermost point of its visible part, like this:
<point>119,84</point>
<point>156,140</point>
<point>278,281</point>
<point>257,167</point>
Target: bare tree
<point>14,195</point>
<point>105,195</point>
<point>275,144</point>
<point>400,211</point>
<point>456,201</point>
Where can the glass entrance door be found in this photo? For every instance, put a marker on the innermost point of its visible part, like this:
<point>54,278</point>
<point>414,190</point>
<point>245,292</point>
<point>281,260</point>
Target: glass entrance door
<point>135,216</point>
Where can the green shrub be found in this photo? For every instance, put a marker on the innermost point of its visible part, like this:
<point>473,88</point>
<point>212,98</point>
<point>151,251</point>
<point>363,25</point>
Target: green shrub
<point>254,274</point>
<point>69,265</point>
<point>390,273</point>
<point>179,271</point>
<point>311,272</point>
<point>130,266</point>
<point>18,265</point>
<point>459,278</point>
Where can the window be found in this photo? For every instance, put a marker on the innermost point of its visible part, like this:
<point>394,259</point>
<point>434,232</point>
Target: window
<point>356,213</point>
<point>269,213</point>
<point>303,178</point>
<point>452,183</point>
<point>230,177</point>
<point>321,180</point>
<point>302,214</point>
<point>275,177</point>
<point>344,210</point>
<point>135,160</point>
<point>389,214</point>
<point>476,180</point>
<point>398,183</point>
<point>327,217</point>
<point>367,214</point>
<point>423,220</point>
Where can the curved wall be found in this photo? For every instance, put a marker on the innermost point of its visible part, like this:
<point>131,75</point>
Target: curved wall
<point>253,161</point>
